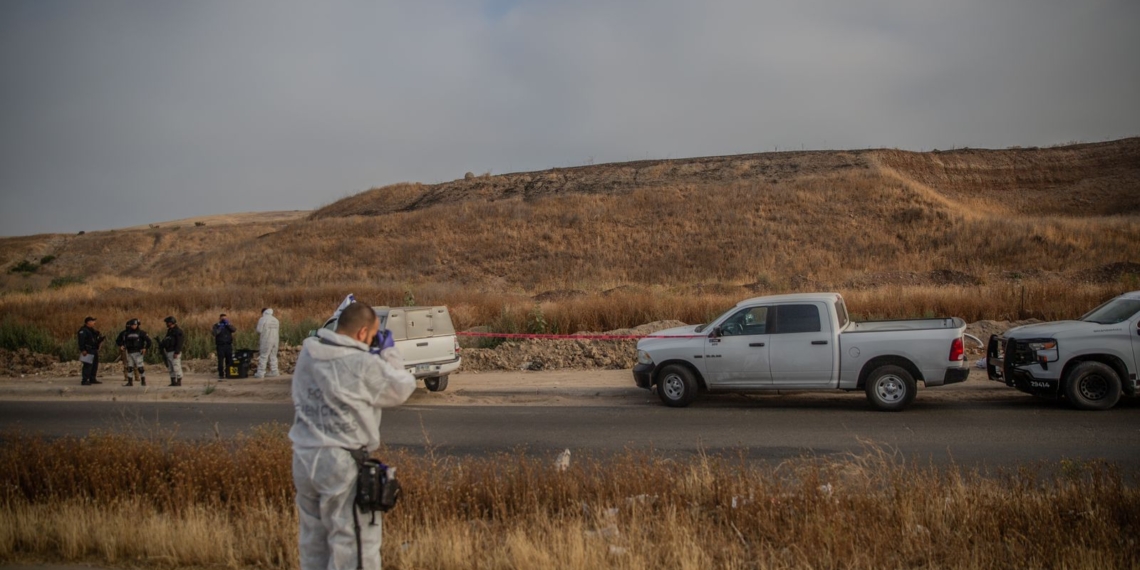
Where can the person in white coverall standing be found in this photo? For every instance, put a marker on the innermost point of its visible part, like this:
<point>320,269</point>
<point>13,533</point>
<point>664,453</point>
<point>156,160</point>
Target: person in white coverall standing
<point>339,387</point>
<point>269,333</point>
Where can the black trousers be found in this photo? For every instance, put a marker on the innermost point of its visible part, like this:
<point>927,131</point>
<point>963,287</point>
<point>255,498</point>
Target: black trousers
<point>90,370</point>
<point>225,361</point>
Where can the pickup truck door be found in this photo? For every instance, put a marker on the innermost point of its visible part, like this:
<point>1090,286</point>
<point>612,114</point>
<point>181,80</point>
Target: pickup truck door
<point>802,346</point>
<point>738,356</point>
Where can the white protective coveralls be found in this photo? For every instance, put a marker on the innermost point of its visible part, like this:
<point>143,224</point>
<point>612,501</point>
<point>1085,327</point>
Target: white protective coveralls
<point>269,333</point>
<point>338,390</point>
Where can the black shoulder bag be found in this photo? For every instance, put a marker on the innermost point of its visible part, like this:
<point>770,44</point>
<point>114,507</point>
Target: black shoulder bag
<point>376,490</point>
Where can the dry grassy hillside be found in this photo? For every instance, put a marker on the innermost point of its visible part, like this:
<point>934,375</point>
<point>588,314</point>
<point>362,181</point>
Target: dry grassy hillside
<point>979,233</point>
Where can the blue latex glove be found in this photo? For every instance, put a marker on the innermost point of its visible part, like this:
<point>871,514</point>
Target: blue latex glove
<point>383,340</point>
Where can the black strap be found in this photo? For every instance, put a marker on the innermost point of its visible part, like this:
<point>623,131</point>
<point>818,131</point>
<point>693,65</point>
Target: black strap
<point>358,455</point>
<point>356,529</point>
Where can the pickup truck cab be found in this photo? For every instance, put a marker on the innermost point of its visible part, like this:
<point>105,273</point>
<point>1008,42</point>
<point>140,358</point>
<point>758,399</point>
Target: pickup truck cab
<point>426,339</point>
<point>1090,361</point>
<point>802,342</point>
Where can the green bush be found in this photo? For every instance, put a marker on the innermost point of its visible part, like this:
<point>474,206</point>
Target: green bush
<point>61,282</point>
<point>47,259</point>
<point>536,320</point>
<point>24,266</point>
<point>294,333</point>
<point>14,336</point>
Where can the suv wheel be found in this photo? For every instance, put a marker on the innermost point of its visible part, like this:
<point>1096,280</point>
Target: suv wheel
<point>890,388</point>
<point>676,386</point>
<point>1092,386</point>
<point>436,383</point>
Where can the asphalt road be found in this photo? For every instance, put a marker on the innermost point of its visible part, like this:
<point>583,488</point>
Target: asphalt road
<point>978,433</point>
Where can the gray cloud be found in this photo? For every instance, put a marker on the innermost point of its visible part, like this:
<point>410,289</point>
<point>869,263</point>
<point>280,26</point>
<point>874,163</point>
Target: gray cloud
<point>123,113</point>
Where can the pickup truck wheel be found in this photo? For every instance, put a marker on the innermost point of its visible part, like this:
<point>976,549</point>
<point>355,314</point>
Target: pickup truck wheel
<point>676,386</point>
<point>436,383</point>
<point>1092,386</point>
<point>890,388</point>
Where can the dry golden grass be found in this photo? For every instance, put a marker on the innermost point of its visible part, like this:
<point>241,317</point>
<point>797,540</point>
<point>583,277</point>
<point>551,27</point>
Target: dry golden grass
<point>159,502</point>
<point>901,234</point>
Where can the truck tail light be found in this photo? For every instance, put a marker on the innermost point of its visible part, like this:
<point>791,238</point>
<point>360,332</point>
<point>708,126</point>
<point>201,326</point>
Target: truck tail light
<point>956,350</point>
<point>456,345</point>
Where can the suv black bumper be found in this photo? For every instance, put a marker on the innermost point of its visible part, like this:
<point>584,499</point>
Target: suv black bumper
<point>1001,367</point>
<point>643,375</point>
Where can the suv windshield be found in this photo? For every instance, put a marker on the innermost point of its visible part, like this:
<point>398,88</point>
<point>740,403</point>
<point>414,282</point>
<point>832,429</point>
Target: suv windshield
<point>1112,312</point>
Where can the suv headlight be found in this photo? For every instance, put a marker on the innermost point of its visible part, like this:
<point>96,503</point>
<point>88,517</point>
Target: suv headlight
<point>643,357</point>
<point>1046,350</point>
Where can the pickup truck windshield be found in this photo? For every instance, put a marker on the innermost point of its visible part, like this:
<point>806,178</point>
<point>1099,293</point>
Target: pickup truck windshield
<point>1112,312</point>
<point>719,317</point>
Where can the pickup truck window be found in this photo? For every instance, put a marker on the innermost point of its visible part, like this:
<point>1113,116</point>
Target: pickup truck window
<point>796,319</point>
<point>841,313</point>
<point>1112,312</point>
<point>751,321</point>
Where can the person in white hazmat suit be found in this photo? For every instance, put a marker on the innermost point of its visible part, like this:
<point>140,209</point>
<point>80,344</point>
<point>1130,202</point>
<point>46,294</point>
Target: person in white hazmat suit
<point>269,333</point>
<point>339,387</point>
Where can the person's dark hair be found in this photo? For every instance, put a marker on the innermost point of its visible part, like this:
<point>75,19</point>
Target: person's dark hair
<point>88,319</point>
<point>222,316</point>
<point>355,317</point>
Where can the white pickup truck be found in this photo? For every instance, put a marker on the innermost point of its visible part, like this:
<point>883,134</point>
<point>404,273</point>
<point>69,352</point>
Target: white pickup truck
<point>425,338</point>
<point>1090,362</point>
<point>802,342</point>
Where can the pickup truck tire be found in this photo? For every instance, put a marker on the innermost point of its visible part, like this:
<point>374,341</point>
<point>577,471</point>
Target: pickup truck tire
<point>1092,386</point>
<point>436,383</point>
<point>676,386</point>
<point>890,388</point>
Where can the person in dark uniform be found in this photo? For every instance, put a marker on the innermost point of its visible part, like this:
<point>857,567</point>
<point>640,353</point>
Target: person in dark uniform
<point>224,344</point>
<point>133,343</point>
<point>172,350</point>
<point>89,342</point>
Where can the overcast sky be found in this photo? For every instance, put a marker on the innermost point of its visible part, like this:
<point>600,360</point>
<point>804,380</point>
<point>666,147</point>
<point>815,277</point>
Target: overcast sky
<point>120,113</point>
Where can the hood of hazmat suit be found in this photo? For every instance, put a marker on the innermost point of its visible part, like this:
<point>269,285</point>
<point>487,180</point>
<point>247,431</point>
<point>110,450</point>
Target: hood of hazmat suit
<point>339,388</point>
<point>268,329</point>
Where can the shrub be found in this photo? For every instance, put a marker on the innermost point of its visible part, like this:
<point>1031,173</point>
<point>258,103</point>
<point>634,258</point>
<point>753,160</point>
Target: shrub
<point>14,336</point>
<point>61,282</point>
<point>536,321</point>
<point>24,266</point>
<point>47,259</point>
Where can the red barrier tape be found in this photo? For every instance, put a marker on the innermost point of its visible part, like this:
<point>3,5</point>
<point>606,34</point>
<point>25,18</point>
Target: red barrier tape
<point>576,336</point>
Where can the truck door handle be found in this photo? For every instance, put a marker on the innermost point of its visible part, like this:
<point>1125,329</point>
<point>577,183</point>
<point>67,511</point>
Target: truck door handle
<point>755,344</point>
<point>421,344</point>
<point>819,342</point>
